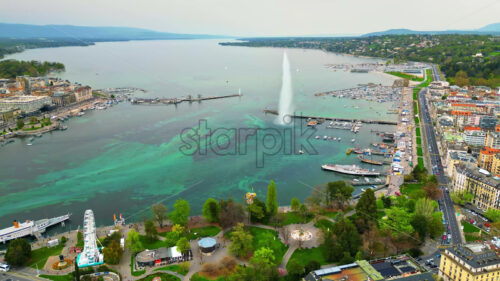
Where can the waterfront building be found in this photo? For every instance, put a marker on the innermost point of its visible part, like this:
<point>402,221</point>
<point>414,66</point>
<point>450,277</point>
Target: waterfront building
<point>486,157</point>
<point>480,183</point>
<point>83,93</point>
<point>63,98</point>
<point>8,115</point>
<point>470,262</point>
<point>27,104</point>
<point>474,136</point>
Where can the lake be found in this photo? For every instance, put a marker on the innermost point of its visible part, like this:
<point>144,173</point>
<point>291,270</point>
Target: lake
<point>128,157</point>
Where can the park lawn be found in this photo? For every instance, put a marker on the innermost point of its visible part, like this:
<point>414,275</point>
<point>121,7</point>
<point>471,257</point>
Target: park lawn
<point>471,238</point>
<point>304,256</point>
<point>417,121</point>
<point>406,76</point>
<point>294,218</point>
<point>206,231</point>
<point>151,245</point>
<point>419,151</point>
<point>135,273</point>
<point>469,228</point>
<point>40,256</point>
<point>332,215</point>
<point>415,107</point>
<point>324,224</point>
<point>198,277</point>
<point>163,276</point>
<point>174,268</point>
<point>412,190</point>
<point>261,238</point>
<point>419,141</point>
<point>417,131</point>
<point>67,277</point>
<point>421,163</point>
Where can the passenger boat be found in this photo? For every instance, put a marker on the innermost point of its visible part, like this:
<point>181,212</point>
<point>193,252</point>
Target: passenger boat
<point>369,161</point>
<point>352,170</point>
<point>348,151</point>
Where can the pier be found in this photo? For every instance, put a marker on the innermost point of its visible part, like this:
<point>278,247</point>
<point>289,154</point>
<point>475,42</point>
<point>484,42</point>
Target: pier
<point>179,100</point>
<point>382,122</point>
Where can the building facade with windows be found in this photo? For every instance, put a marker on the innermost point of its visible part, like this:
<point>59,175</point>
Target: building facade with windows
<point>470,262</point>
<point>27,104</point>
<point>480,183</point>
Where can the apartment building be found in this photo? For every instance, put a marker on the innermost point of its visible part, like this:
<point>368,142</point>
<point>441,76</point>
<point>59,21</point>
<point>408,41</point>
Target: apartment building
<point>470,262</point>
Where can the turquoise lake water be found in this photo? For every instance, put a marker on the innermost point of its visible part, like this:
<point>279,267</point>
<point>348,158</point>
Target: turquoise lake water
<point>123,159</point>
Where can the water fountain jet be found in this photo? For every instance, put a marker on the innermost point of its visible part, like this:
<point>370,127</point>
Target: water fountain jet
<point>285,109</point>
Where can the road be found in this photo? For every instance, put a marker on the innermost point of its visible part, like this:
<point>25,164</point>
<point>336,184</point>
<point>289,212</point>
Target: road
<point>437,169</point>
<point>14,276</point>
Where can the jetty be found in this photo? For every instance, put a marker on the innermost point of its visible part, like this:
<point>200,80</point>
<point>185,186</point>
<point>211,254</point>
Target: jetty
<point>179,100</point>
<point>382,122</point>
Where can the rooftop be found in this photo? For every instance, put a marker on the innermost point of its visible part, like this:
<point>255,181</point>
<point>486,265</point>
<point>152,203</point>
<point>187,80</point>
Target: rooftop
<point>475,255</point>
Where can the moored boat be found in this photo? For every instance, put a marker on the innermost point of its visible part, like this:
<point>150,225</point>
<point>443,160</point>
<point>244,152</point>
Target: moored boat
<point>352,170</point>
<point>369,161</point>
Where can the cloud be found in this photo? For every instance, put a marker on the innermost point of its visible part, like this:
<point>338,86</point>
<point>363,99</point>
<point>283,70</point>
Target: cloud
<point>257,17</point>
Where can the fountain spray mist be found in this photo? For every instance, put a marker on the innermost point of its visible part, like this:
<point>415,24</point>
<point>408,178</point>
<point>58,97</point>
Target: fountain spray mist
<point>285,109</point>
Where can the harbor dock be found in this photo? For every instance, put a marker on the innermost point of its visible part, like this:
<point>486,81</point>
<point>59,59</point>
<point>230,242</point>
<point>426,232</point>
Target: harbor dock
<point>179,100</point>
<point>382,122</point>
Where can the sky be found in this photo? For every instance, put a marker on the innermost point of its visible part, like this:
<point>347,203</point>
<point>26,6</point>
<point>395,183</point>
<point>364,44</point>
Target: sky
<point>258,17</point>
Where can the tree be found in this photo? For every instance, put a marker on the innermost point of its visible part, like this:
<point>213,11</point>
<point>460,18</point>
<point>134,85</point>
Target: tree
<point>263,262</point>
<point>366,209</point>
<point>387,201</point>
<point>347,236</point>
<point>113,253</point>
<point>436,225</point>
<point>33,120</point>
<point>20,123</point>
<point>419,223</point>
<point>432,190</point>
<point>18,252</point>
<point>258,211</point>
<point>211,210</point>
<point>295,270</point>
<point>493,214</point>
<point>425,207</point>
<point>312,265</point>
<point>183,245</point>
<point>398,221</point>
<point>462,197</point>
<point>295,204</point>
<point>461,79</point>
<point>180,214</point>
<point>241,245</point>
<point>346,259</point>
<point>338,192</point>
<point>231,213</point>
<point>63,240</point>
<point>272,200</point>
<point>150,229</point>
<point>133,242</point>
<point>160,213</point>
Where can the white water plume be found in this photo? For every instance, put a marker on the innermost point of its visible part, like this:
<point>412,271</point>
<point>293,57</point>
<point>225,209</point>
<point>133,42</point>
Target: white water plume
<point>285,109</point>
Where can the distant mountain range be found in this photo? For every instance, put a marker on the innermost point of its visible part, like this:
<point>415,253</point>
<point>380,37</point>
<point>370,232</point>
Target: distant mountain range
<point>493,28</point>
<point>90,33</point>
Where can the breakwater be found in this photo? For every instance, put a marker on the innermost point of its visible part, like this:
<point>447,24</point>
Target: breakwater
<point>382,122</point>
<point>179,100</point>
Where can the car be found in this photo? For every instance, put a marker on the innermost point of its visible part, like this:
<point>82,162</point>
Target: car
<point>437,174</point>
<point>445,237</point>
<point>4,267</point>
<point>438,256</point>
